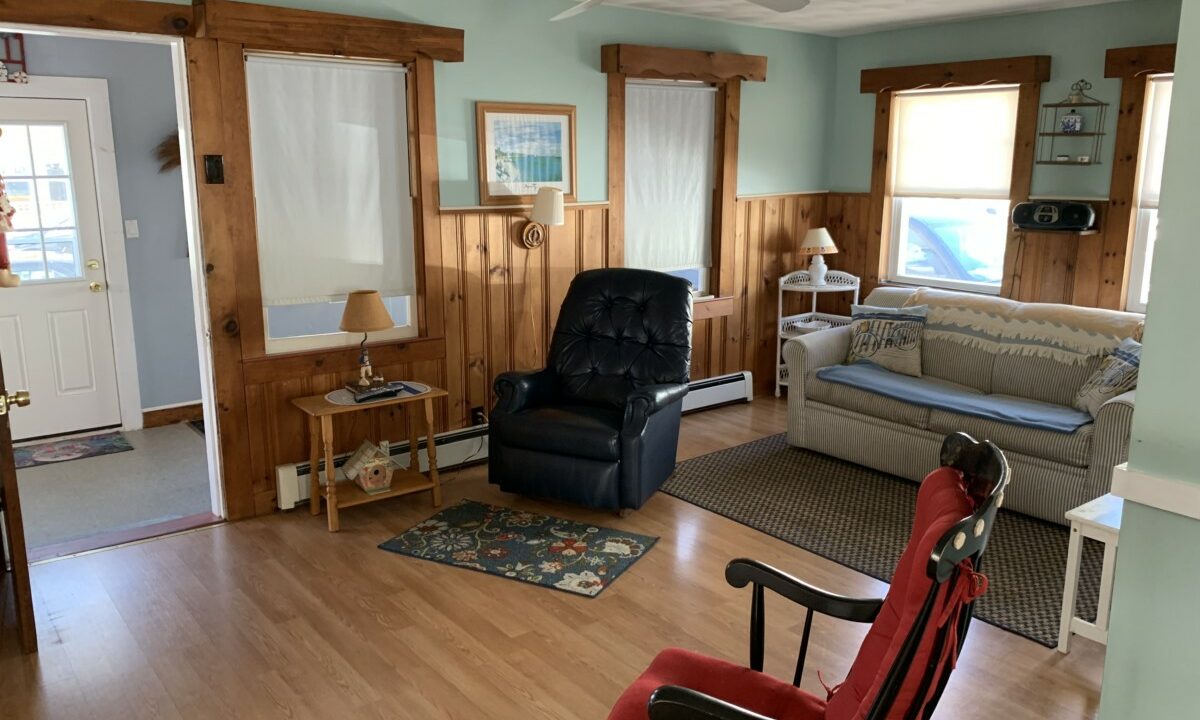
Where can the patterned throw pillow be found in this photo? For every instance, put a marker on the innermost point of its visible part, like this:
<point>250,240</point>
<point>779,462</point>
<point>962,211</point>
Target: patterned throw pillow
<point>888,337</point>
<point>1117,374</point>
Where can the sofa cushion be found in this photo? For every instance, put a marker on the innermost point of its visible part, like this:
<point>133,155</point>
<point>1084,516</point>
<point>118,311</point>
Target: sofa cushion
<point>1041,379</point>
<point>1074,448</point>
<point>1117,374</point>
<point>848,397</point>
<point>587,431</point>
<point>939,395</point>
<point>888,337</point>
<point>962,364</point>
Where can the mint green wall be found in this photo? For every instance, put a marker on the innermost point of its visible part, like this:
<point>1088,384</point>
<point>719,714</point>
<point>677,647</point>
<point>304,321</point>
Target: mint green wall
<point>1154,646</point>
<point>513,53</point>
<point>1076,39</point>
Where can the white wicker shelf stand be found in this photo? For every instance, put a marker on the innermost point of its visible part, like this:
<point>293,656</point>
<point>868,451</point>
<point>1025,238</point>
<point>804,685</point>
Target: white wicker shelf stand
<point>791,326</point>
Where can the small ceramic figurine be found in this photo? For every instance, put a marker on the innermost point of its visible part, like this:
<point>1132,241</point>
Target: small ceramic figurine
<point>3,72</point>
<point>20,77</point>
<point>7,278</point>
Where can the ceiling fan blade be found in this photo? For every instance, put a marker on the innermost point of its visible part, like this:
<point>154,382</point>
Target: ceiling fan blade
<point>782,6</point>
<point>572,12</point>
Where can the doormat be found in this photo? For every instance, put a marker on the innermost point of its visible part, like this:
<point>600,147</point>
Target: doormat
<point>540,549</point>
<point>57,451</point>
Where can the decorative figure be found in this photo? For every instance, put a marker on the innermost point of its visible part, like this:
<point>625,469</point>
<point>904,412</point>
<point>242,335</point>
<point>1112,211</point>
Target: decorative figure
<point>3,72</point>
<point>7,278</point>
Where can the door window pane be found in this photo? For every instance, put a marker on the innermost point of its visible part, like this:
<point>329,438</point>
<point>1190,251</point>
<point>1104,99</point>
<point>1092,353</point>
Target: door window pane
<point>35,163</point>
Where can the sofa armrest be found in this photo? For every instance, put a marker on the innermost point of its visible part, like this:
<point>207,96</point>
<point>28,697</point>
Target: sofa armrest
<point>814,350</point>
<point>647,400</point>
<point>1110,441</point>
<point>516,391</point>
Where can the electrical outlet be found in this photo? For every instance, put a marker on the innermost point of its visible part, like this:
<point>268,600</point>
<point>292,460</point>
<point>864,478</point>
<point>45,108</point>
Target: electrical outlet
<point>477,416</point>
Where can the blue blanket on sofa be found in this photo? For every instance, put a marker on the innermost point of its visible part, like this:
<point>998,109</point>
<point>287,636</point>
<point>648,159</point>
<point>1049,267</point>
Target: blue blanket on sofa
<point>919,391</point>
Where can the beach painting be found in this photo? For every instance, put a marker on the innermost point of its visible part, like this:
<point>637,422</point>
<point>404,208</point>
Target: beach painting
<point>523,148</point>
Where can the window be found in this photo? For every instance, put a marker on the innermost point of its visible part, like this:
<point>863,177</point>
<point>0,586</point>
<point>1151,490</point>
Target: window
<point>952,155</point>
<point>34,161</point>
<point>669,149</point>
<point>329,143</point>
<point>1153,152</point>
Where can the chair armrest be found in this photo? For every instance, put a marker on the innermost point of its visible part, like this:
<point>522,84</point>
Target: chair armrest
<point>671,702</point>
<point>651,399</point>
<point>1110,440</point>
<point>516,391</point>
<point>742,572</point>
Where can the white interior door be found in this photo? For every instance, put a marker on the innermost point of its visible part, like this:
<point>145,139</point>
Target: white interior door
<point>56,327</point>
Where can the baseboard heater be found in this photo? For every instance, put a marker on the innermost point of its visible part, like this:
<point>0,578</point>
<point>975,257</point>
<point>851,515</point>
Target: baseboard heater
<point>454,448</point>
<point>722,390</point>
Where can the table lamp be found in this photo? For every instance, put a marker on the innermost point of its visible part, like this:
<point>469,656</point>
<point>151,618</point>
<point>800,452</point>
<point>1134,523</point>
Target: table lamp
<point>818,243</point>
<point>365,313</point>
<point>547,210</point>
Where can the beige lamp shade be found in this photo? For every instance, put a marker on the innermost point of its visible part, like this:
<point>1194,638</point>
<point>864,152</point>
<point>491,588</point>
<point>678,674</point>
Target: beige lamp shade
<point>818,241</point>
<point>365,312</point>
<point>548,207</point>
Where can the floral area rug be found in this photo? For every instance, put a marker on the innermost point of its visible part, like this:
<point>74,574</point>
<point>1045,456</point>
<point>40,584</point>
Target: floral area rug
<point>73,449</point>
<point>530,547</point>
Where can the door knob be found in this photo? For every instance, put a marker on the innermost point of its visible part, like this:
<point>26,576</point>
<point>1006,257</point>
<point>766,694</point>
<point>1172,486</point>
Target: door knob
<point>96,287</point>
<point>93,264</point>
<point>10,400</point>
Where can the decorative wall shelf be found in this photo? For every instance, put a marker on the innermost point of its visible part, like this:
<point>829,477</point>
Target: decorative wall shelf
<point>1064,131</point>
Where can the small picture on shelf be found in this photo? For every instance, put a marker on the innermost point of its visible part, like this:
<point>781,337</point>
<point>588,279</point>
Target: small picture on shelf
<point>1072,123</point>
<point>1084,159</point>
<point>1062,157</point>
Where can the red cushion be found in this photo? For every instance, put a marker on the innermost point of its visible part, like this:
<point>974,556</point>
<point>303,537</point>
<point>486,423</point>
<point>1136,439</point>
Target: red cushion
<point>941,502</point>
<point>734,684</point>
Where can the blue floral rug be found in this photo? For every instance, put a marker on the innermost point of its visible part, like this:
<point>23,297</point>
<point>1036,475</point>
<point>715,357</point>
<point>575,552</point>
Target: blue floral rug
<point>58,451</point>
<point>530,547</point>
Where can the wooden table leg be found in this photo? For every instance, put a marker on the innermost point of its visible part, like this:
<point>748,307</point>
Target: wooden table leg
<point>314,462</point>
<point>414,437</point>
<point>431,452</point>
<point>331,507</point>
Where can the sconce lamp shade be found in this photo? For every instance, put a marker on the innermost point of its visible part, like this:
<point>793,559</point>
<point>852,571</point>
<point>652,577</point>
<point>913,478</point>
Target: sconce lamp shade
<point>548,207</point>
<point>818,241</point>
<point>365,312</point>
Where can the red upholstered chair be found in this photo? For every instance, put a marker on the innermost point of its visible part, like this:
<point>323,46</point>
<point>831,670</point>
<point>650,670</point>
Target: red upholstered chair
<point>916,632</point>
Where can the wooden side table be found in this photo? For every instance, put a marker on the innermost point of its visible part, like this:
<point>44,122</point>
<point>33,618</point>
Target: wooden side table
<point>345,493</point>
<point>1099,520</point>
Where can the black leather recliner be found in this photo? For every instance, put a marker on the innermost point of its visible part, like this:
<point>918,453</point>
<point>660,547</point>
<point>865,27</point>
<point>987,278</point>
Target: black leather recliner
<point>600,425</point>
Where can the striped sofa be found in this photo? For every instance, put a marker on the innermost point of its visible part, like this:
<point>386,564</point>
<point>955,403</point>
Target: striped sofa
<point>1052,471</point>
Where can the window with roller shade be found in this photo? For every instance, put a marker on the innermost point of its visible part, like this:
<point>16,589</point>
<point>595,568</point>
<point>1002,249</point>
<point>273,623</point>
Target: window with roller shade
<point>329,144</point>
<point>1153,152</point>
<point>951,159</point>
<point>669,149</point>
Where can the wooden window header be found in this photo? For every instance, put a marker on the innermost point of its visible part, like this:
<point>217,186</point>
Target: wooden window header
<point>644,61</point>
<point>258,27</point>
<point>1128,62</point>
<point>1007,71</point>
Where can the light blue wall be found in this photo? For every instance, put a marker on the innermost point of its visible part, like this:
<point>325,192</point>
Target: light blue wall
<point>141,94</point>
<point>1076,39</point>
<point>513,53</point>
<point>1153,656</point>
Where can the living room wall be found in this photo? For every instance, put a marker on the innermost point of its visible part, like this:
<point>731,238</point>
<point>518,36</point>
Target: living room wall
<point>1076,39</point>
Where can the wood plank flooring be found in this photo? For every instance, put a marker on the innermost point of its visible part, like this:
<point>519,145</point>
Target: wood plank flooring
<point>276,618</point>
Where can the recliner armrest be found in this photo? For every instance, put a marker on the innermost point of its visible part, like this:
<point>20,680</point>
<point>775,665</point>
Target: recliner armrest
<point>647,400</point>
<point>516,391</point>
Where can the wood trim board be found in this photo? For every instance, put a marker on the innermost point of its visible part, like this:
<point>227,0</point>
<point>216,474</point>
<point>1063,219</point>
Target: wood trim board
<point>135,16</point>
<point>1011,70</point>
<point>172,415</point>
<point>1128,62</point>
<point>645,61</point>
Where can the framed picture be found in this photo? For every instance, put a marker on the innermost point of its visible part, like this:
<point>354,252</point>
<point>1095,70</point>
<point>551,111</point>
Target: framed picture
<point>522,148</point>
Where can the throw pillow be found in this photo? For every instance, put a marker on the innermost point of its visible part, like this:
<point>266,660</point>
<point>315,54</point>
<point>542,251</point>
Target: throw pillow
<point>1118,373</point>
<point>888,337</point>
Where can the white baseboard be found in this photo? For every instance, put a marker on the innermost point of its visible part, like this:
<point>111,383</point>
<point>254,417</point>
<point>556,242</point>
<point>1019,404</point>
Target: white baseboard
<point>1174,496</point>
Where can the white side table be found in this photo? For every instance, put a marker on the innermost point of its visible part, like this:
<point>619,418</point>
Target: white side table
<point>1099,520</point>
<point>791,326</point>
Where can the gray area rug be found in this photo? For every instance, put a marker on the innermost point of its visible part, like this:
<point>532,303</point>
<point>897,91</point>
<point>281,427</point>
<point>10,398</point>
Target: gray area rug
<point>861,518</point>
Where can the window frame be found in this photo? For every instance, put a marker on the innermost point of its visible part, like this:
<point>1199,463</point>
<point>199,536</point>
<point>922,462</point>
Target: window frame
<point>895,200</point>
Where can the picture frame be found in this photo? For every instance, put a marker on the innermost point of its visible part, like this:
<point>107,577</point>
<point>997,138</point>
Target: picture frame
<point>522,147</point>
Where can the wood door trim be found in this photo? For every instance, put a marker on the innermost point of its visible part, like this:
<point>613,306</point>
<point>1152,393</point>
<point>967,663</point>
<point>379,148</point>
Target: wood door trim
<point>153,18</point>
<point>14,525</point>
<point>172,415</point>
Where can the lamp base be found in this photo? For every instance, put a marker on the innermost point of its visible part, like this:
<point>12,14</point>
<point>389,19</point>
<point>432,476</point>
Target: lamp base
<point>816,270</point>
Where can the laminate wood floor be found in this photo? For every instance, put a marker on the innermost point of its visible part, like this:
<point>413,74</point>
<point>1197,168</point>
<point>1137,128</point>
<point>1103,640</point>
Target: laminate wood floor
<point>276,618</point>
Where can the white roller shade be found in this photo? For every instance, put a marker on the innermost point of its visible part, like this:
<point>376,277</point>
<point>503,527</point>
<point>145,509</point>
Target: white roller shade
<point>1154,140</point>
<point>954,143</point>
<point>329,141</point>
<point>668,176</point>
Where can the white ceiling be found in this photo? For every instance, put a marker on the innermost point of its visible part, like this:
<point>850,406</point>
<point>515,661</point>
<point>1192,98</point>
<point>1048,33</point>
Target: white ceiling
<point>850,17</point>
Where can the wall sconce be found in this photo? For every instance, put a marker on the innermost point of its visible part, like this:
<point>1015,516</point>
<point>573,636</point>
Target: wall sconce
<point>547,210</point>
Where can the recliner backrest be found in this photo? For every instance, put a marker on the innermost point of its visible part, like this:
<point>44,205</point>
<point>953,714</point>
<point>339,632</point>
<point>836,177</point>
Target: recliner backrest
<point>620,329</point>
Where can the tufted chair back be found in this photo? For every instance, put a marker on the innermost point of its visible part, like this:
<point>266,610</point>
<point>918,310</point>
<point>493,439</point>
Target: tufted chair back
<point>618,330</point>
